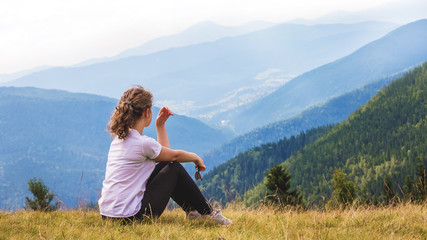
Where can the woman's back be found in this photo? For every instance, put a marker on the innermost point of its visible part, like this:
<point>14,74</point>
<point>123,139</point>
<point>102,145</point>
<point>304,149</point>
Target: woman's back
<point>130,163</point>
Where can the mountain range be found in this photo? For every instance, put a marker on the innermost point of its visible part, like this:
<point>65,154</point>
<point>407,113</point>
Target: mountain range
<point>207,78</point>
<point>206,31</point>
<point>400,49</point>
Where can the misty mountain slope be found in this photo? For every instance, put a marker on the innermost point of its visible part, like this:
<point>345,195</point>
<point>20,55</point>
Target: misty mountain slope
<point>331,112</point>
<point>61,138</point>
<point>206,31</point>
<point>398,50</point>
<point>191,78</point>
<point>16,75</point>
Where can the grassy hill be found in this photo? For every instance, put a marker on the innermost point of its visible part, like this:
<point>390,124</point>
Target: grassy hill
<point>401,222</point>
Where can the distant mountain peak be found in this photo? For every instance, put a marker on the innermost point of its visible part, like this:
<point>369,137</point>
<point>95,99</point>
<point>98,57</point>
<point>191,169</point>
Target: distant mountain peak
<point>206,23</point>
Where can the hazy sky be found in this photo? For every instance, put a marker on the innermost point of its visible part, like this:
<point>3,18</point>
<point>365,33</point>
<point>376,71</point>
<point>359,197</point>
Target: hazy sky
<point>58,32</point>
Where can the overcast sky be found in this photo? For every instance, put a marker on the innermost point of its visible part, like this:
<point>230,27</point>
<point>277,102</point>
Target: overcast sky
<point>59,33</point>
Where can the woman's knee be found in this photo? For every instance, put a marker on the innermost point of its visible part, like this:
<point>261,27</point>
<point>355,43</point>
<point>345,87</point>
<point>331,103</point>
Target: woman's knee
<point>172,167</point>
<point>176,166</point>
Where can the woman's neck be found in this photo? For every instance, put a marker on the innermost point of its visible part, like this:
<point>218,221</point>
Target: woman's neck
<point>140,125</point>
<point>140,129</point>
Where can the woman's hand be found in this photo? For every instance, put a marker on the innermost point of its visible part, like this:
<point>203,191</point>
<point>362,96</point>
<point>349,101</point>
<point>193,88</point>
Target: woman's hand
<point>164,114</point>
<point>200,165</point>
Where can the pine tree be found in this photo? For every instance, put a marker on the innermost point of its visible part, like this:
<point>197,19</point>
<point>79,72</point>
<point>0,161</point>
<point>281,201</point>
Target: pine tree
<point>42,196</point>
<point>344,190</point>
<point>278,180</point>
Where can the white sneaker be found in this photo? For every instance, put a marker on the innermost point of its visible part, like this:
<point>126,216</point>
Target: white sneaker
<point>192,215</point>
<point>218,218</point>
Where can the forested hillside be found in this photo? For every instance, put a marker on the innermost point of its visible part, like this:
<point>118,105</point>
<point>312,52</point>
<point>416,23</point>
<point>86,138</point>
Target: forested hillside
<point>231,179</point>
<point>383,138</point>
<point>334,111</point>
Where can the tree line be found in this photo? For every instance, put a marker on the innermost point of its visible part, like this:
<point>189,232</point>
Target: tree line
<point>232,179</point>
<point>279,192</point>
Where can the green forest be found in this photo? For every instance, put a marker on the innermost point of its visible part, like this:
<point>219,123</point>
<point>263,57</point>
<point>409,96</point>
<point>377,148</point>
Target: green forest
<point>233,178</point>
<point>382,141</point>
<point>385,137</point>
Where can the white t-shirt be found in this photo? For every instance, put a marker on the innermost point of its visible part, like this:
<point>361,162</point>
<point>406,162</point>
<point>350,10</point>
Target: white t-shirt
<point>130,164</point>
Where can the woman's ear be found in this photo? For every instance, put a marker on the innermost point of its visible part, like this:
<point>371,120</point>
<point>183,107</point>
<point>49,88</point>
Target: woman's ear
<point>146,113</point>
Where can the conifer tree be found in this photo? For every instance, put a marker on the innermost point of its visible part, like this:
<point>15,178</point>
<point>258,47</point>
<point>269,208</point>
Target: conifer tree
<point>42,196</point>
<point>344,190</point>
<point>279,182</point>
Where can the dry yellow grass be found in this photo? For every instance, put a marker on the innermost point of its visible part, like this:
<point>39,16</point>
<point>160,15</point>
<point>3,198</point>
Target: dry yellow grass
<point>400,222</point>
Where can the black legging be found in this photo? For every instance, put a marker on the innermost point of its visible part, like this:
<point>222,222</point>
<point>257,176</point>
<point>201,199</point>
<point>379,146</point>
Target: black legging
<point>171,180</point>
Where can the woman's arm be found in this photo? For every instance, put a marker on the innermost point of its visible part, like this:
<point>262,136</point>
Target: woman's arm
<point>162,135</point>
<point>170,155</point>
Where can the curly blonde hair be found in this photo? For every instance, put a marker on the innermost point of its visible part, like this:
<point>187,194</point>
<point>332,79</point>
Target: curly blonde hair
<point>131,106</point>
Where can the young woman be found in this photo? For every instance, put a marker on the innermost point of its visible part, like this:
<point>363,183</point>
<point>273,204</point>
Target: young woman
<point>135,186</point>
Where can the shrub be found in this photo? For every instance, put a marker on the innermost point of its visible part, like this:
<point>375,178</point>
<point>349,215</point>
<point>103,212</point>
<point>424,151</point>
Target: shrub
<point>344,190</point>
<point>42,197</point>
